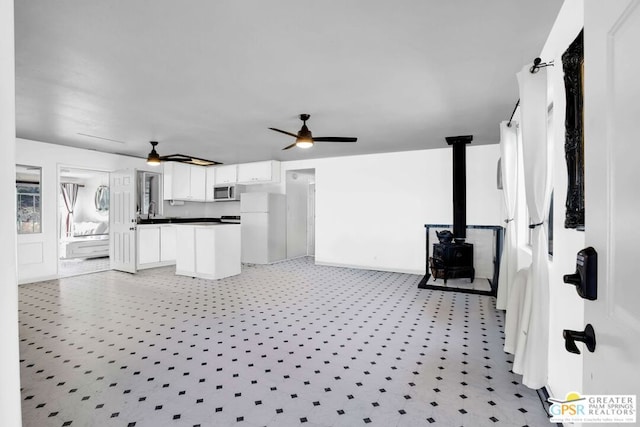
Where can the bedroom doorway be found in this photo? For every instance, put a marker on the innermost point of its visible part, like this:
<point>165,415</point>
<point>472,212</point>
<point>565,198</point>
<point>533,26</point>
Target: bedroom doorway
<point>83,221</point>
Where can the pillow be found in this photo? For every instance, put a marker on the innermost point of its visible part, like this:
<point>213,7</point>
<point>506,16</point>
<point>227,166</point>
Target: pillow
<point>102,228</point>
<point>89,228</point>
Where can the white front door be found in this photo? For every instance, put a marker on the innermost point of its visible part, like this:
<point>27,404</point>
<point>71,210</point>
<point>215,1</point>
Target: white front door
<point>122,221</point>
<point>612,197</point>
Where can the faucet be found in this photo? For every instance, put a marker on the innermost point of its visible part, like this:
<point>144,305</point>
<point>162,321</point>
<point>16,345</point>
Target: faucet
<point>151,208</point>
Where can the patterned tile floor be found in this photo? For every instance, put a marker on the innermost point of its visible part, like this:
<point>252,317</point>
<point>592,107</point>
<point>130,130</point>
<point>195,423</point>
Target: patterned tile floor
<point>290,344</point>
<point>76,266</point>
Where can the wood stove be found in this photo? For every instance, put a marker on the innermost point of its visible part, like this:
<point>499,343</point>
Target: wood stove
<point>453,258</point>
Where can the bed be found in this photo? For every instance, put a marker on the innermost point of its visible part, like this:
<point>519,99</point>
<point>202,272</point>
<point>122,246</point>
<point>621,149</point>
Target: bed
<point>90,240</point>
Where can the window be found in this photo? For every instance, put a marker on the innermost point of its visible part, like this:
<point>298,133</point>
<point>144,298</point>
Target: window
<point>28,203</point>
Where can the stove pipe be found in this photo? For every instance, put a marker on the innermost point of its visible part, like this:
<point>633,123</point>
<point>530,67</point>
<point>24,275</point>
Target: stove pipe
<point>459,185</point>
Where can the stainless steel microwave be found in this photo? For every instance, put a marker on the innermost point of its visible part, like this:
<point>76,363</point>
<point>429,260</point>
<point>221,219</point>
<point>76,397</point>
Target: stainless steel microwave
<point>227,193</point>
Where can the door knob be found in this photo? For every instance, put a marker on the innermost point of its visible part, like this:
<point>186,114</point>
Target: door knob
<point>588,337</point>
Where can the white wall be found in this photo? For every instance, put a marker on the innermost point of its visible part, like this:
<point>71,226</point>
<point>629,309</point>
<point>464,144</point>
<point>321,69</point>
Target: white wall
<point>566,307</point>
<point>38,253</point>
<point>371,209</point>
<point>9,350</point>
<point>371,212</point>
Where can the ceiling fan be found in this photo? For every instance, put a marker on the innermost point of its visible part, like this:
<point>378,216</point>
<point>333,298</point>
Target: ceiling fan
<point>154,159</point>
<point>304,139</point>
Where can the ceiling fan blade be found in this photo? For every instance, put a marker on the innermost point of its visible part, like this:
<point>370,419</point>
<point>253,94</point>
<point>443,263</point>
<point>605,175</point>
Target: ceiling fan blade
<point>285,132</point>
<point>335,139</point>
<point>289,146</point>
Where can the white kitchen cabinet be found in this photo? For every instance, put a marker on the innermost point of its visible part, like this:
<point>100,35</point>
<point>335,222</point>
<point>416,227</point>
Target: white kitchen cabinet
<point>227,174</point>
<point>148,244</point>
<point>259,172</point>
<point>184,182</point>
<point>156,245</point>
<point>210,182</point>
<point>177,181</point>
<point>168,244</point>
<point>185,250</point>
<point>198,183</point>
<point>208,251</point>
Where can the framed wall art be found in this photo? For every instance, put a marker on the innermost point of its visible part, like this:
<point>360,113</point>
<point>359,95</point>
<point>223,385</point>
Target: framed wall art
<point>573,66</point>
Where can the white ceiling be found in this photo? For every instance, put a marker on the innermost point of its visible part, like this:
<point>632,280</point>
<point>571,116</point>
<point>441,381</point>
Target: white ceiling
<point>208,78</point>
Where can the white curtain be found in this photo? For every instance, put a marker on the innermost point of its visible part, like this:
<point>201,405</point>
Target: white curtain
<point>70,196</point>
<point>513,338</point>
<point>515,303</point>
<point>531,358</point>
<point>509,170</point>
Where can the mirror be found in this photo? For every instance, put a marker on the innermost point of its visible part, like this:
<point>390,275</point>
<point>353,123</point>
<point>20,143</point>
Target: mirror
<point>28,194</point>
<point>101,199</point>
<point>149,193</point>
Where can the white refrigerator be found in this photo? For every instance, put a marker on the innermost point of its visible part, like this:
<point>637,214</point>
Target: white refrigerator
<point>263,222</point>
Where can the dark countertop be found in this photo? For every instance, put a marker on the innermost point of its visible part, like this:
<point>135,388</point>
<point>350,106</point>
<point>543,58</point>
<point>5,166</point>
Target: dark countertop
<point>175,220</point>
<point>481,227</point>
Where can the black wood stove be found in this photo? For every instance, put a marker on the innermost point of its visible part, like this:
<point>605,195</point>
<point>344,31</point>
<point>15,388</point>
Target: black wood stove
<point>452,258</point>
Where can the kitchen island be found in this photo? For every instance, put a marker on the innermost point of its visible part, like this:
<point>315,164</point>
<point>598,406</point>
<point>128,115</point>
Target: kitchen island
<point>209,250</point>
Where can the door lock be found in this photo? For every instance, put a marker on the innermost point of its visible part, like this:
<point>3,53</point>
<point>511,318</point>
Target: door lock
<point>585,279</point>
<point>588,337</point>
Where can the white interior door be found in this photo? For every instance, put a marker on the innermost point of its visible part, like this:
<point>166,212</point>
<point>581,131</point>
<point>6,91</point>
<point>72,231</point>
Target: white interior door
<point>612,87</point>
<point>122,221</point>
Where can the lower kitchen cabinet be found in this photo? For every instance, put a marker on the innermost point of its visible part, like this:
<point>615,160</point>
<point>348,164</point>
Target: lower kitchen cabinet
<point>148,245</point>
<point>168,244</point>
<point>156,245</point>
<point>208,251</point>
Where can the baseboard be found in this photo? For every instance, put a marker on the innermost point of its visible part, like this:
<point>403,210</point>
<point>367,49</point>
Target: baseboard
<point>155,265</point>
<point>37,279</point>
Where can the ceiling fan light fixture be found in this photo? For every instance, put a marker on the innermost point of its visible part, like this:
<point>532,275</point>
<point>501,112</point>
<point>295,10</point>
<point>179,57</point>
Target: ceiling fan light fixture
<point>201,162</point>
<point>304,142</point>
<point>304,138</point>
<point>153,159</point>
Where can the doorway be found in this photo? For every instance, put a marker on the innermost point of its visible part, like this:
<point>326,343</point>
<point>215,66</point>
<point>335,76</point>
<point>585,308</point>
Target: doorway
<point>301,212</point>
<point>83,221</point>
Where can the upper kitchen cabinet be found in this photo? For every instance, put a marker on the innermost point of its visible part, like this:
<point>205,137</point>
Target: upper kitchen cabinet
<point>227,174</point>
<point>210,183</point>
<point>259,172</point>
<point>198,183</point>
<point>184,182</point>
